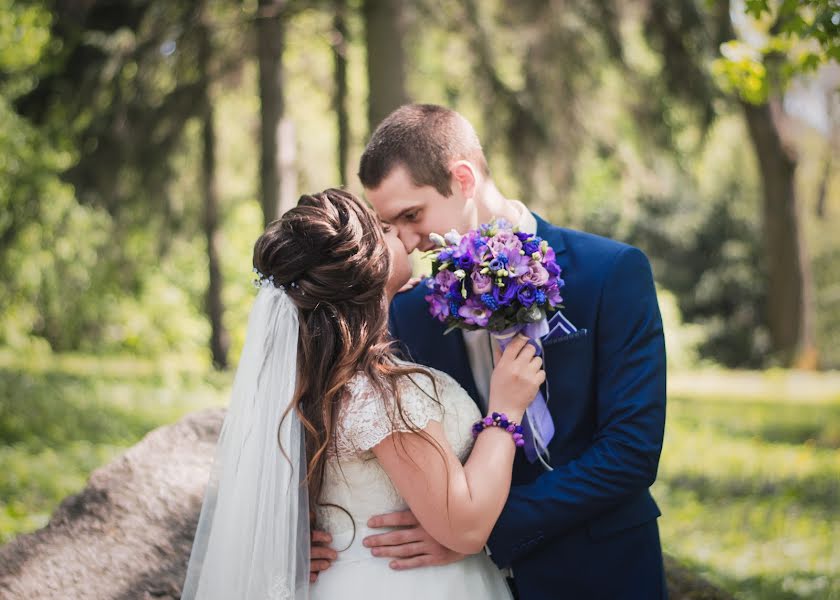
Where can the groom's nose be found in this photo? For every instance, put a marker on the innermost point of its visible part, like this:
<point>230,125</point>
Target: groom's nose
<point>409,239</point>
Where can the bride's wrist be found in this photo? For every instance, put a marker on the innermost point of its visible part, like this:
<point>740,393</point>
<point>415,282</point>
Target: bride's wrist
<point>513,414</point>
<point>501,422</point>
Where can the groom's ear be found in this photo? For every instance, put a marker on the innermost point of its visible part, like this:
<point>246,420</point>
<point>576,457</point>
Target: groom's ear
<point>463,178</point>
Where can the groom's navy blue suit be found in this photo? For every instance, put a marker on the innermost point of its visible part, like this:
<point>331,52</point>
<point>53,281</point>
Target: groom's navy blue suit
<point>587,529</point>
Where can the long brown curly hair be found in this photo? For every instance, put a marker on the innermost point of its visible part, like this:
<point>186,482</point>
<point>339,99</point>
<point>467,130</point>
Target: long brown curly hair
<point>330,255</point>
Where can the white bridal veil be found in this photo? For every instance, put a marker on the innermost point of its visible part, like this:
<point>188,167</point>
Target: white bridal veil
<point>252,541</point>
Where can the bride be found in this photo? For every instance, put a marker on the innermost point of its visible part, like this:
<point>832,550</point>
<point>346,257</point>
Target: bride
<point>326,427</point>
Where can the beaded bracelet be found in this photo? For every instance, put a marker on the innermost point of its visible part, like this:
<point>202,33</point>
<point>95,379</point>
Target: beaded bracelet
<point>500,420</point>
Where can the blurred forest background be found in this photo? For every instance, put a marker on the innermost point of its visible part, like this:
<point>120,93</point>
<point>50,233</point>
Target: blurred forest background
<point>145,143</point>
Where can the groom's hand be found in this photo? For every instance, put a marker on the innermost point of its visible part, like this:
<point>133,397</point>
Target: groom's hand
<point>410,284</point>
<point>411,546</point>
<point>320,555</point>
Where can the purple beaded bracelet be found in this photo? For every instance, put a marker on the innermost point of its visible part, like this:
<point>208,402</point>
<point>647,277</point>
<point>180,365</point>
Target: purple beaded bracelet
<point>500,420</point>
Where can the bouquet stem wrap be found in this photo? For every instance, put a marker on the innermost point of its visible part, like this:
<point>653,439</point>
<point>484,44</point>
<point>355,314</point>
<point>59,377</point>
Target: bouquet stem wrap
<point>537,424</point>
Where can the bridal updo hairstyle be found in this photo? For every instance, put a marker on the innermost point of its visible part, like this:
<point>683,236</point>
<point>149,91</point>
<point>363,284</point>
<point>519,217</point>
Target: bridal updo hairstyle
<point>331,257</point>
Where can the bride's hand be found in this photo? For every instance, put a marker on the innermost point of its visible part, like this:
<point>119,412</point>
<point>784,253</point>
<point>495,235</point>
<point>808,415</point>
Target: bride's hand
<point>320,555</point>
<point>411,546</point>
<point>516,378</point>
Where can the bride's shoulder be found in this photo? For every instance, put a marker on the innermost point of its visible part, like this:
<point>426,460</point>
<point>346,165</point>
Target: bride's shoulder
<point>427,378</point>
<point>422,393</point>
<point>372,412</point>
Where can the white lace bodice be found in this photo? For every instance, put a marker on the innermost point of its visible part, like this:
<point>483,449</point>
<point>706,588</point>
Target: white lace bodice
<point>354,479</point>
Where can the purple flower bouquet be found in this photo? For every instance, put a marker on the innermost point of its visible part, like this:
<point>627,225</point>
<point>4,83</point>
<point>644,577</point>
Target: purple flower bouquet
<point>503,280</point>
<point>494,278</point>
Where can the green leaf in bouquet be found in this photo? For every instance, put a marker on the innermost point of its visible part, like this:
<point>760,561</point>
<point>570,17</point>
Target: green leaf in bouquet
<point>534,314</point>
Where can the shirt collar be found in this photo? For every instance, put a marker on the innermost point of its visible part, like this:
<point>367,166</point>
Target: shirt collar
<point>527,223</point>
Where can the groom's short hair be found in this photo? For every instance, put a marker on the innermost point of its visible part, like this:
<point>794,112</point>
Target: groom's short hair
<point>425,139</point>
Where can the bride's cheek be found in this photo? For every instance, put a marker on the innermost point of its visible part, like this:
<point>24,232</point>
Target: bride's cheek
<point>402,267</point>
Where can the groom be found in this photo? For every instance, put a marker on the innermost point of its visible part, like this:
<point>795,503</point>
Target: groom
<point>587,528</point>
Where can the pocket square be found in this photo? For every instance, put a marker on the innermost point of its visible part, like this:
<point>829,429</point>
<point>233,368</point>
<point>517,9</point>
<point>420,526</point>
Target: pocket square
<point>559,326</point>
<point>556,338</point>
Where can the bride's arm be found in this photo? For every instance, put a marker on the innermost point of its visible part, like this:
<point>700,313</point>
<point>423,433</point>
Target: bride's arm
<point>459,504</point>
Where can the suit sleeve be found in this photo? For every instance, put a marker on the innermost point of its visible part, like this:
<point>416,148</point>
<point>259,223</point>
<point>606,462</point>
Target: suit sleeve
<point>623,458</point>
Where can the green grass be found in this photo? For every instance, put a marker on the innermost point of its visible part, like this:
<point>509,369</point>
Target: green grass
<point>61,419</point>
<point>749,481</point>
<point>749,486</point>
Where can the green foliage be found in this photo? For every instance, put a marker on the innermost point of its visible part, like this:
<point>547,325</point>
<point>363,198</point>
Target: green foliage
<point>77,274</point>
<point>24,34</point>
<point>59,420</point>
<point>814,19</point>
<point>795,36</point>
<point>701,232</point>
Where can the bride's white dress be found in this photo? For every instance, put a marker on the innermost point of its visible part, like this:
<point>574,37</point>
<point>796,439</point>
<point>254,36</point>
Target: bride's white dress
<point>356,482</point>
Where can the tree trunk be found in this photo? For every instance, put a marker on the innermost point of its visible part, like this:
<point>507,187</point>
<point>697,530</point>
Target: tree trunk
<point>384,35</point>
<point>790,300</point>
<point>339,46</point>
<point>270,41</point>
<point>219,340</point>
<point>286,164</point>
<point>832,101</point>
<point>822,190</point>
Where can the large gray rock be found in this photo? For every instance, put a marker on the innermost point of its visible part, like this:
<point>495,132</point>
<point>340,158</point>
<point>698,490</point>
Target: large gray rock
<point>128,534</point>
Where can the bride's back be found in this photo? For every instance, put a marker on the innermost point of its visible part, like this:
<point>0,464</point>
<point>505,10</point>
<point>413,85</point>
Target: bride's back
<point>354,479</point>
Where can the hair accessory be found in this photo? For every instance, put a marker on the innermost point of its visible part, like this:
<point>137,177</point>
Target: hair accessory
<point>500,420</point>
<point>263,280</point>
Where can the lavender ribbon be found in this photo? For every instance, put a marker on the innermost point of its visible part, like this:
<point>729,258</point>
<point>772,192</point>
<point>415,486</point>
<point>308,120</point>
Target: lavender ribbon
<point>537,424</point>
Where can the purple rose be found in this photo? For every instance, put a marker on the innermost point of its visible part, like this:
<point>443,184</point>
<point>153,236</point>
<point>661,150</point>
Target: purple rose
<point>504,296</point>
<point>526,295</point>
<point>465,261</point>
<point>481,284</point>
<point>438,307</point>
<point>531,247</point>
<point>474,313</point>
<point>504,242</point>
<point>536,275</point>
<point>444,280</point>
<point>454,292</point>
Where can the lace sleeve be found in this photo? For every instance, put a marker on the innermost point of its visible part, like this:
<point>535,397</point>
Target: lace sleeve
<point>368,418</point>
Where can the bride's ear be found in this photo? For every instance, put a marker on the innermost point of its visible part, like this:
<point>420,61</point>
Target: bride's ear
<point>463,178</point>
